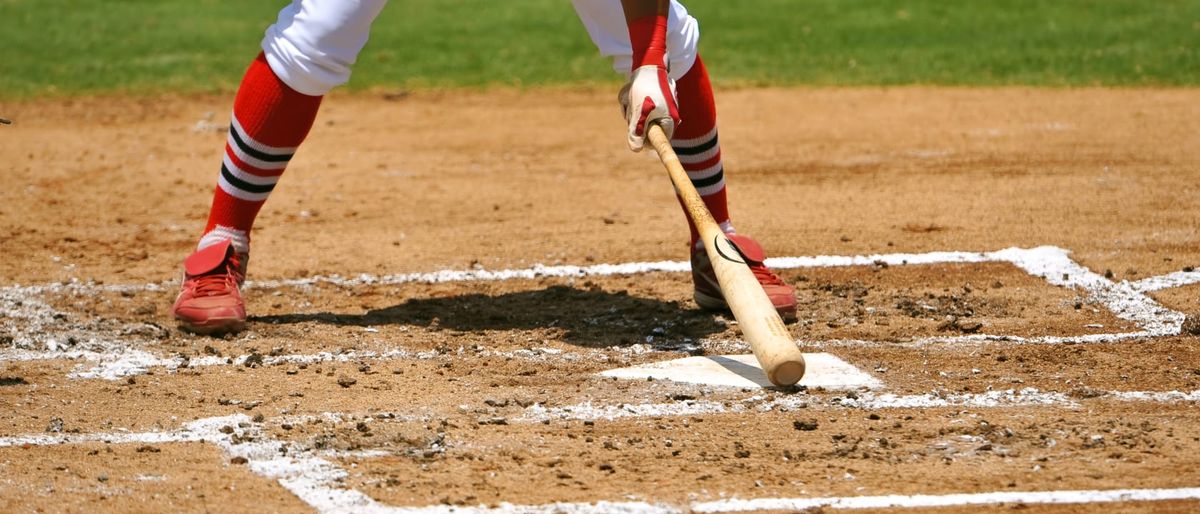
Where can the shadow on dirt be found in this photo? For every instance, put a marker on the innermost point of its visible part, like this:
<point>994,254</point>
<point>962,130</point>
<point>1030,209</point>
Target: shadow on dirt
<point>594,317</point>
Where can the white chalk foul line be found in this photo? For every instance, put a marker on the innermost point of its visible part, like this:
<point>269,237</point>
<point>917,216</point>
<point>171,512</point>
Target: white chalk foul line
<point>119,359</point>
<point>318,482</point>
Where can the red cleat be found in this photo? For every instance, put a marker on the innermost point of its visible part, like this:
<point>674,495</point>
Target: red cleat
<point>708,291</point>
<point>210,302</point>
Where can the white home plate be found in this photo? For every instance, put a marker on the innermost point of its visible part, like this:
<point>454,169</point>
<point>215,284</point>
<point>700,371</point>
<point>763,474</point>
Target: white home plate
<point>822,370</point>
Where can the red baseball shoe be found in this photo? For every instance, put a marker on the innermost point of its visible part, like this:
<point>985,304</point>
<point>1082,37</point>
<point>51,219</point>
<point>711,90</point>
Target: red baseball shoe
<point>708,292</point>
<point>210,302</point>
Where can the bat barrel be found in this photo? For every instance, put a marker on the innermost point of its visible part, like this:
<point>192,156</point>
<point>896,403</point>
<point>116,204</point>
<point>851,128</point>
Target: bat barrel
<point>787,373</point>
<point>760,323</point>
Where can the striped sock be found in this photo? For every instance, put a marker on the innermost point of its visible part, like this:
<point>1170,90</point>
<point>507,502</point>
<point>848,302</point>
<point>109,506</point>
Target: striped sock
<point>270,120</point>
<point>695,142</point>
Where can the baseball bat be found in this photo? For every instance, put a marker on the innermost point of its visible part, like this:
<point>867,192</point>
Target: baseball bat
<point>761,325</point>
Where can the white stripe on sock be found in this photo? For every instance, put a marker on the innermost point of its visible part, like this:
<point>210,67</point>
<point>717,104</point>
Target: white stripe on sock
<point>250,159</point>
<point>713,189</point>
<point>687,143</point>
<point>700,157</point>
<point>704,173</point>
<point>240,239</point>
<point>273,150</point>
<point>249,177</point>
<point>238,193</point>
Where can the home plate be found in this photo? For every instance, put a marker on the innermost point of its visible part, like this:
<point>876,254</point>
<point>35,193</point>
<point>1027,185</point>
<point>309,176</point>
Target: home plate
<point>822,370</point>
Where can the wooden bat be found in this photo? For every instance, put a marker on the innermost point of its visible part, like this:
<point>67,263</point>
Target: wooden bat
<point>761,325</point>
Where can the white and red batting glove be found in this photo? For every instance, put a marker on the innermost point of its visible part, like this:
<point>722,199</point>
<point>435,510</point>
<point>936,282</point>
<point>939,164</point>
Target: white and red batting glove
<point>648,98</point>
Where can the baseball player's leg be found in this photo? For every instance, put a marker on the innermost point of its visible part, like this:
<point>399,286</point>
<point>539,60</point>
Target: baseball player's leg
<point>699,149</point>
<point>314,43</point>
<point>695,139</point>
<point>270,120</point>
<point>307,52</point>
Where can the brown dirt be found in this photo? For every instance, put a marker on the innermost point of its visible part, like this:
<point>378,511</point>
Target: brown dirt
<point>98,477</point>
<point>114,191</point>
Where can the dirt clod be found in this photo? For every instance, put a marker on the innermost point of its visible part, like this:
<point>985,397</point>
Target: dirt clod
<point>55,426</point>
<point>253,360</point>
<point>1191,325</point>
<point>805,424</point>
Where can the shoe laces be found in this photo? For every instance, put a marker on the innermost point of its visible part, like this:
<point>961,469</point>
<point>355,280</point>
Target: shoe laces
<point>217,282</point>
<point>765,276</point>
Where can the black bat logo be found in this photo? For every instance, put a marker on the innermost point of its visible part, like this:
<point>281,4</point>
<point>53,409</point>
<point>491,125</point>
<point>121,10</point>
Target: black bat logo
<point>739,258</point>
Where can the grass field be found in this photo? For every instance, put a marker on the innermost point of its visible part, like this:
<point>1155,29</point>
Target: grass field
<point>147,46</point>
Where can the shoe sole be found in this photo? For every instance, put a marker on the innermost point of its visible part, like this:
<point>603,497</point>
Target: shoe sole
<point>213,326</point>
<point>710,303</point>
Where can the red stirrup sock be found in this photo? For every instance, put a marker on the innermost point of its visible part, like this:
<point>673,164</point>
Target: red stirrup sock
<point>648,38</point>
<point>269,121</point>
<point>695,142</point>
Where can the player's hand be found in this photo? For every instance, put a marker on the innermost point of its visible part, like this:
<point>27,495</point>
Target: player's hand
<point>649,97</point>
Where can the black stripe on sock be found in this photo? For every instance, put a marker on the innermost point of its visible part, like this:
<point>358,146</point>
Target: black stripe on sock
<point>705,182</point>
<point>243,185</point>
<point>262,156</point>
<point>698,149</point>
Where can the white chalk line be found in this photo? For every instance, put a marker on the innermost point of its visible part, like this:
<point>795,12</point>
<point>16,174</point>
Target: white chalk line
<point>1168,281</point>
<point>318,482</point>
<point>1126,300</point>
<point>631,268</point>
<point>126,362</point>
<point>952,500</point>
<point>311,478</point>
<point>315,480</point>
<point>864,400</point>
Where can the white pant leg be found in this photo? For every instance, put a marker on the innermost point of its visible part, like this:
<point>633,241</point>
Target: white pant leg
<point>314,42</point>
<point>605,23</point>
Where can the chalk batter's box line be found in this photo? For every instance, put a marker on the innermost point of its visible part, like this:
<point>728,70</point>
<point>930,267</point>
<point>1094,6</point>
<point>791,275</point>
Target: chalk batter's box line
<point>318,482</point>
<point>1125,299</point>
<point>536,271</point>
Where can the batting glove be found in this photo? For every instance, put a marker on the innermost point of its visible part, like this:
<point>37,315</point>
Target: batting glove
<point>648,98</point>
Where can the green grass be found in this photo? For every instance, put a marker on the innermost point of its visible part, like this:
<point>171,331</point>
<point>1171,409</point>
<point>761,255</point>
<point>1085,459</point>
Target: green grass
<point>64,47</point>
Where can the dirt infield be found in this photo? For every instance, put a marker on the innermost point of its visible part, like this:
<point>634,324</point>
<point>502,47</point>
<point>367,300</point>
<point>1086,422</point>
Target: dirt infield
<point>430,308</point>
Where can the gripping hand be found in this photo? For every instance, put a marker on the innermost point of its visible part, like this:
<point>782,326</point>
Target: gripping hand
<point>648,98</point>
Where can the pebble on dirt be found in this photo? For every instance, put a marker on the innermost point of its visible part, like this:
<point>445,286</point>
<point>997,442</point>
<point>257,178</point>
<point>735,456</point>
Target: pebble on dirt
<point>806,425</point>
<point>1191,325</point>
<point>55,426</point>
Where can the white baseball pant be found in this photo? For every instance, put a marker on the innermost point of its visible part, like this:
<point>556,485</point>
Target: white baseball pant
<point>314,43</point>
